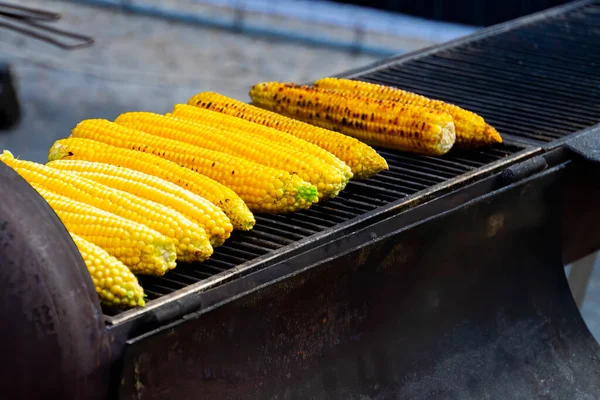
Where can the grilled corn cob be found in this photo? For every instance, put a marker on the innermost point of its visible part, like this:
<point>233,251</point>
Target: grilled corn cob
<point>264,189</point>
<point>257,133</point>
<point>328,180</point>
<point>471,129</point>
<point>385,123</point>
<point>143,250</point>
<point>199,210</point>
<point>84,149</point>
<point>115,284</point>
<point>191,241</point>
<point>362,159</point>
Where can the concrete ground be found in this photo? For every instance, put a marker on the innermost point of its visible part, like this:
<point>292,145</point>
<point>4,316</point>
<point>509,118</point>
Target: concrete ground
<point>143,63</point>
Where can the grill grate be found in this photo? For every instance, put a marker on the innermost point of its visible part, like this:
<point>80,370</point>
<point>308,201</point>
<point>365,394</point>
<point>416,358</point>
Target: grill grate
<point>408,174</point>
<point>539,82</point>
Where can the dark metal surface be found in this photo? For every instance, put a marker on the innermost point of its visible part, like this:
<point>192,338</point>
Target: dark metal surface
<point>53,341</point>
<point>469,303</point>
<point>587,145</point>
<point>10,109</point>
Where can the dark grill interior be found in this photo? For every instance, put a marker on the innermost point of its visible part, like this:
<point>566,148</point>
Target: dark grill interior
<point>537,82</point>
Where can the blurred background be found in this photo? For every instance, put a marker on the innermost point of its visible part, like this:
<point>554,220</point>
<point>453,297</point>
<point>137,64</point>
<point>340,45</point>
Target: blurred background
<point>150,54</point>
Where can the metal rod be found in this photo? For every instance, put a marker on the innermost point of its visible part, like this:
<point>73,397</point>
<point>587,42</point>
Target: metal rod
<point>83,41</point>
<point>21,12</point>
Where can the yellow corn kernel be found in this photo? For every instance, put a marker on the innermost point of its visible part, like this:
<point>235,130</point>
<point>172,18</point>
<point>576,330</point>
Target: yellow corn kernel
<point>471,129</point>
<point>328,180</point>
<point>264,189</point>
<point>226,199</point>
<point>199,210</point>
<point>143,250</point>
<point>191,241</point>
<point>361,158</point>
<point>257,133</point>
<point>388,124</point>
<point>116,285</point>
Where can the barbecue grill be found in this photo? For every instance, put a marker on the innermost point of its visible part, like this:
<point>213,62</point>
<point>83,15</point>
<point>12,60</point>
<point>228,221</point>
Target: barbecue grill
<point>440,278</point>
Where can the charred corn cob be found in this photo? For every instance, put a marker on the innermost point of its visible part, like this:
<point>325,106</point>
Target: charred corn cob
<point>115,284</point>
<point>257,133</point>
<point>264,189</point>
<point>393,125</point>
<point>191,241</point>
<point>362,159</point>
<point>199,210</point>
<point>328,180</point>
<point>471,129</point>
<point>143,250</point>
<point>226,199</point>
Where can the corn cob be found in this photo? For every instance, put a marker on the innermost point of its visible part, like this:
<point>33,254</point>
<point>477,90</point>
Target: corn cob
<point>362,159</point>
<point>84,149</point>
<point>143,250</point>
<point>115,284</point>
<point>264,189</point>
<point>191,242</point>
<point>393,125</point>
<point>328,180</point>
<point>258,133</point>
<point>199,210</point>
<point>471,129</point>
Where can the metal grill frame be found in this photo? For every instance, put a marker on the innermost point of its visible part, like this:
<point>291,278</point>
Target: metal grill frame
<point>195,296</point>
